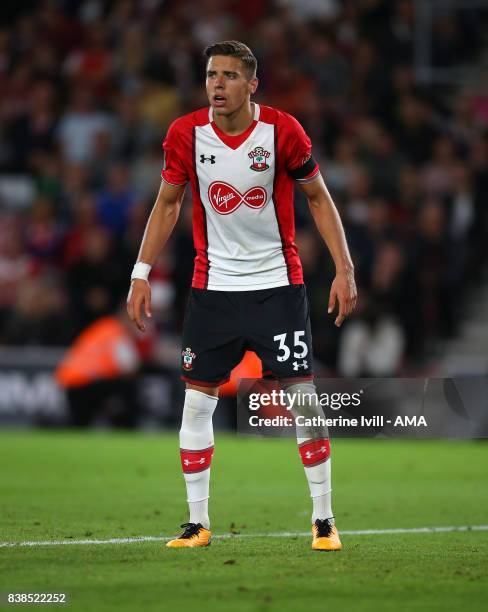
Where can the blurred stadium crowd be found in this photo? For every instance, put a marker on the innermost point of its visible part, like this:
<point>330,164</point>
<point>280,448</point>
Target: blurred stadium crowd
<point>89,88</point>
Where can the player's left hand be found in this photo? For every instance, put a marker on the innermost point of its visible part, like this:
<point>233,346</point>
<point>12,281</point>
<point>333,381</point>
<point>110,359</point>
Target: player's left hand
<point>344,291</point>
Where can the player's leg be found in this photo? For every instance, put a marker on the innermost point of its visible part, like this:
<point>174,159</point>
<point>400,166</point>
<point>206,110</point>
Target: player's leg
<point>282,339</point>
<point>212,347</point>
<point>196,450</point>
<point>314,448</point>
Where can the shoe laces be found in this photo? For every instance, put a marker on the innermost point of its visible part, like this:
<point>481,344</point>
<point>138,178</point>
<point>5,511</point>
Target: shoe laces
<point>191,529</point>
<point>324,528</point>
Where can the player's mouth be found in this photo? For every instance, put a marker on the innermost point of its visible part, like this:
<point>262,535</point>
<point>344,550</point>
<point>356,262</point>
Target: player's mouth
<point>219,100</point>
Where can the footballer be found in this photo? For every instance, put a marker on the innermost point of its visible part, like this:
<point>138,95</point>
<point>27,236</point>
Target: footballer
<point>242,160</point>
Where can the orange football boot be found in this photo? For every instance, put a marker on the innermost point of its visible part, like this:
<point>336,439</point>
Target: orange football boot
<point>325,536</point>
<point>194,535</point>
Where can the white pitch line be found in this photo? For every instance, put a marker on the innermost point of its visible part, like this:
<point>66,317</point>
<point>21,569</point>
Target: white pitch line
<point>280,534</point>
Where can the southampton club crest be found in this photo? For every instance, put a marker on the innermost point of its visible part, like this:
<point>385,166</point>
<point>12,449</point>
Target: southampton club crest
<point>259,157</point>
<point>188,358</point>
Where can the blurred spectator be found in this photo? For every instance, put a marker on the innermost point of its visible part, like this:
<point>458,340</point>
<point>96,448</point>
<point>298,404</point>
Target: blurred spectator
<point>310,9</point>
<point>98,166</point>
<point>40,315</point>
<point>33,133</point>
<point>450,43</point>
<point>116,200</point>
<point>83,222</point>
<point>131,135</point>
<point>462,214</point>
<point>90,67</point>
<point>98,281</point>
<point>480,104</point>
<point>15,92</point>
<point>369,79</point>
<point>437,177</point>
<point>97,373</point>
<point>415,130</point>
<point>212,21</point>
<point>342,167</point>
<point>371,348</point>
<point>374,340</point>
<point>73,186</point>
<point>16,267</point>
<point>42,233</point>
<point>398,39</point>
<point>326,66</point>
<point>158,103</point>
<point>129,59</point>
<point>379,157</point>
<point>407,200</point>
<point>145,172</point>
<point>358,192</point>
<point>4,50</point>
<point>79,127</point>
<point>438,263</point>
<point>463,123</point>
<point>49,184</point>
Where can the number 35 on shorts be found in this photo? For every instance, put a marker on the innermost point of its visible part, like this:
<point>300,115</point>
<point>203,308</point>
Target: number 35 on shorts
<point>299,348</point>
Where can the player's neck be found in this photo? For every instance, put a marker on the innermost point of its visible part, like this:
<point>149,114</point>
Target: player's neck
<point>237,122</point>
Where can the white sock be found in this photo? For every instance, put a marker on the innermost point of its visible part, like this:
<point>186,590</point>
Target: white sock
<point>322,508</point>
<point>196,445</point>
<point>319,482</point>
<point>199,511</point>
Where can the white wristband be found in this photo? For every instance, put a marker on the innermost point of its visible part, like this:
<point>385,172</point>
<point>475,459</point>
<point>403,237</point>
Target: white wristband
<point>141,270</point>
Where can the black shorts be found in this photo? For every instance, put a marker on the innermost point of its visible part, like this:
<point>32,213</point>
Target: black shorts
<point>220,326</point>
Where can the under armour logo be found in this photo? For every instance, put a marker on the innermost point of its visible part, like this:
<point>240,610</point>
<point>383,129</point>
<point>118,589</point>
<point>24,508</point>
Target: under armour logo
<point>199,462</point>
<point>203,159</point>
<point>321,451</point>
<point>297,365</point>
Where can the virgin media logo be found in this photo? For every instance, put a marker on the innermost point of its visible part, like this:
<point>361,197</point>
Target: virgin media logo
<point>225,199</point>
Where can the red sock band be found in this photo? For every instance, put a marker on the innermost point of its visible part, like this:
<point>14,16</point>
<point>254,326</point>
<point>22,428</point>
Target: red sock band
<point>314,452</point>
<point>196,460</point>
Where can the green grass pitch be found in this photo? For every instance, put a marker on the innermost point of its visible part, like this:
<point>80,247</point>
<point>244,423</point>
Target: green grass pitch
<point>70,486</point>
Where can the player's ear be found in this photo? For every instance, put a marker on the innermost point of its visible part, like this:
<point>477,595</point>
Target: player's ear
<point>253,85</point>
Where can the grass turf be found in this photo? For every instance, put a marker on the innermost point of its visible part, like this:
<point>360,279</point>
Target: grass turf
<point>68,485</point>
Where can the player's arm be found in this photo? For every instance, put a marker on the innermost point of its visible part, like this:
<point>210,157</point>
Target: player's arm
<point>159,227</point>
<point>329,224</point>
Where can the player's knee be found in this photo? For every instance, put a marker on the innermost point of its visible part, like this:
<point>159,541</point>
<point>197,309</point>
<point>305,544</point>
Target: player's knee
<point>303,399</point>
<point>210,391</point>
<point>305,407</point>
<point>196,424</point>
<point>199,407</point>
<point>200,400</point>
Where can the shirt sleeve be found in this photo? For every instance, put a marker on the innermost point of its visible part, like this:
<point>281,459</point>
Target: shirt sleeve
<point>300,163</point>
<point>174,170</point>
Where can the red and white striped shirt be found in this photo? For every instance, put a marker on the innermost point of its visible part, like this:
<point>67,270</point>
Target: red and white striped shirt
<point>243,218</point>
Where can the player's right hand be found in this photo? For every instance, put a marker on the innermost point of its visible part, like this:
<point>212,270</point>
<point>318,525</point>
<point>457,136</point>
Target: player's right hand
<point>139,302</point>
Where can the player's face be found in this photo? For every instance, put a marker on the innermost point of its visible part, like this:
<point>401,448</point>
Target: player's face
<point>228,85</point>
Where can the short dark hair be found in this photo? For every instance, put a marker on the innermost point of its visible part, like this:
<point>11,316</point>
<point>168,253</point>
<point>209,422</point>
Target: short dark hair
<point>234,48</point>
